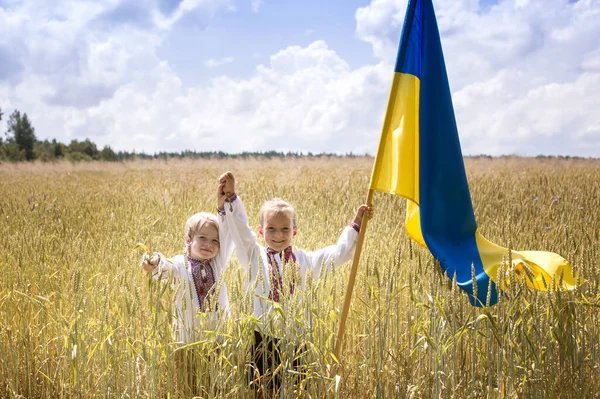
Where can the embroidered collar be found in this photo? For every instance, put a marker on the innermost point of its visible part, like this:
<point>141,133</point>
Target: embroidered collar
<point>287,252</point>
<point>197,262</point>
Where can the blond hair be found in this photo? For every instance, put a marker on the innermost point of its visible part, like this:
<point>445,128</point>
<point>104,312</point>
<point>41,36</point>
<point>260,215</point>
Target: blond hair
<point>278,206</point>
<point>195,223</point>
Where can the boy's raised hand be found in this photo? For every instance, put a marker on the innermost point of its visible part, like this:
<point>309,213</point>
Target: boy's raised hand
<point>225,188</point>
<point>363,210</point>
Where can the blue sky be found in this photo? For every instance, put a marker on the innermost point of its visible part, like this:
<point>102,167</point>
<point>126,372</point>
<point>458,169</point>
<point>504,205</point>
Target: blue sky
<point>249,37</point>
<point>154,75</point>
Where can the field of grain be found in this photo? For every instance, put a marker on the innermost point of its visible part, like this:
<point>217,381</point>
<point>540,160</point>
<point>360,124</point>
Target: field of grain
<point>78,319</point>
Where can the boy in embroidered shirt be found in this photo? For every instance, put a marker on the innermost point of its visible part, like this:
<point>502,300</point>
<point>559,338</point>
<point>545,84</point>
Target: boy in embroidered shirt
<point>196,277</point>
<point>267,265</point>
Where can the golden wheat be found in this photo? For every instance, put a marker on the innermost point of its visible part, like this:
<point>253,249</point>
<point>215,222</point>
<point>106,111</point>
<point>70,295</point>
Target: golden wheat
<point>79,319</point>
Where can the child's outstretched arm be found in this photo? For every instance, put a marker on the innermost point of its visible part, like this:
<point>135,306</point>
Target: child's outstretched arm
<point>160,267</point>
<point>343,249</point>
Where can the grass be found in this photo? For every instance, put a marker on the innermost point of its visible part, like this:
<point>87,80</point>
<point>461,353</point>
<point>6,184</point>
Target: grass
<point>78,319</point>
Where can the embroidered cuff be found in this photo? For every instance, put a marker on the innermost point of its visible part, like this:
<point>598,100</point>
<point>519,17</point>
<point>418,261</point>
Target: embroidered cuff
<point>228,200</point>
<point>231,198</point>
<point>355,226</point>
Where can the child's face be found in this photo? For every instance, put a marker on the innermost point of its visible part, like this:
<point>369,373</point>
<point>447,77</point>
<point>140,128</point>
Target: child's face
<point>204,244</point>
<point>278,230</point>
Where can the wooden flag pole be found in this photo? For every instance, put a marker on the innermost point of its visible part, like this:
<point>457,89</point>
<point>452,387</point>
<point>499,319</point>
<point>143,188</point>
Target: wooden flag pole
<point>350,288</point>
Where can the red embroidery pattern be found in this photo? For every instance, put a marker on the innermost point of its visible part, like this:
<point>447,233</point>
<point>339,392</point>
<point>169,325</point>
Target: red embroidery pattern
<point>204,281</point>
<point>287,256</point>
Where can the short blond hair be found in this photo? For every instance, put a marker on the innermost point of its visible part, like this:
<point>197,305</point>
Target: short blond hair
<point>195,223</point>
<point>278,206</point>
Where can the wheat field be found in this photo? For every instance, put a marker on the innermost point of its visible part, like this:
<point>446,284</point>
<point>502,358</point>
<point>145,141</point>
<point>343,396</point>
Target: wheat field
<point>79,319</point>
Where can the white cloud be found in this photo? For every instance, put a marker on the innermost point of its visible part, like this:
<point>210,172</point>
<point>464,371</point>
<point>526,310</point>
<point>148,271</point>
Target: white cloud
<point>379,24</point>
<point>591,61</point>
<point>305,99</point>
<point>552,118</point>
<point>256,4</point>
<point>208,7</point>
<point>215,63</point>
<point>524,76</point>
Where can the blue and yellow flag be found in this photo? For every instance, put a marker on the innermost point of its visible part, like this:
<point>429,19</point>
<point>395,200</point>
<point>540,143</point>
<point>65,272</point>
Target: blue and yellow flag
<point>419,158</point>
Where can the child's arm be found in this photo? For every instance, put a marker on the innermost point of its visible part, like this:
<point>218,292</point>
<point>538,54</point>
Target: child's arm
<point>343,250</point>
<point>225,190</point>
<point>159,266</point>
<point>234,221</point>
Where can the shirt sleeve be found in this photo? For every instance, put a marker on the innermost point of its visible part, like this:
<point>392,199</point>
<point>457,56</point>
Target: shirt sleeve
<point>226,246</point>
<point>325,259</point>
<point>235,223</point>
<point>165,270</point>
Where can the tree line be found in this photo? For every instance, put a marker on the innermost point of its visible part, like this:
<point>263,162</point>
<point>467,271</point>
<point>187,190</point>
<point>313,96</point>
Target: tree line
<point>21,144</point>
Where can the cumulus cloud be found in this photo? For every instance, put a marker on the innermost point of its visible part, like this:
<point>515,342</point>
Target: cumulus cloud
<point>69,57</point>
<point>64,45</point>
<point>306,98</point>
<point>379,24</point>
<point>524,75</point>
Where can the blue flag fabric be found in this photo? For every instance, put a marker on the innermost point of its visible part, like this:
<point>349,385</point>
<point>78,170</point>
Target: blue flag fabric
<point>419,157</point>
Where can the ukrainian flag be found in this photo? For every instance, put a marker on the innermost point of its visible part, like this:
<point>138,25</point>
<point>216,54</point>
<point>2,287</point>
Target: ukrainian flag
<point>419,158</point>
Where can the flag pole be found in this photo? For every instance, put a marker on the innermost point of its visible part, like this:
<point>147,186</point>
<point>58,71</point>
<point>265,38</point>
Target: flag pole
<point>350,288</point>
<point>387,121</point>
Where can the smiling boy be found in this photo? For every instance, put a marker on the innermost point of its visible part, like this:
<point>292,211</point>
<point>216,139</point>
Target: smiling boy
<point>268,265</point>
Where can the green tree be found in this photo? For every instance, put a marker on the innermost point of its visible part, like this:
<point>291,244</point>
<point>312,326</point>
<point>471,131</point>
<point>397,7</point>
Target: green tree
<point>1,142</point>
<point>107,154</point>
<point>10,152</point>
<point>86,149</point>
<point>47,150</point>
<point>23,133</point>
<point>59,149</point>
